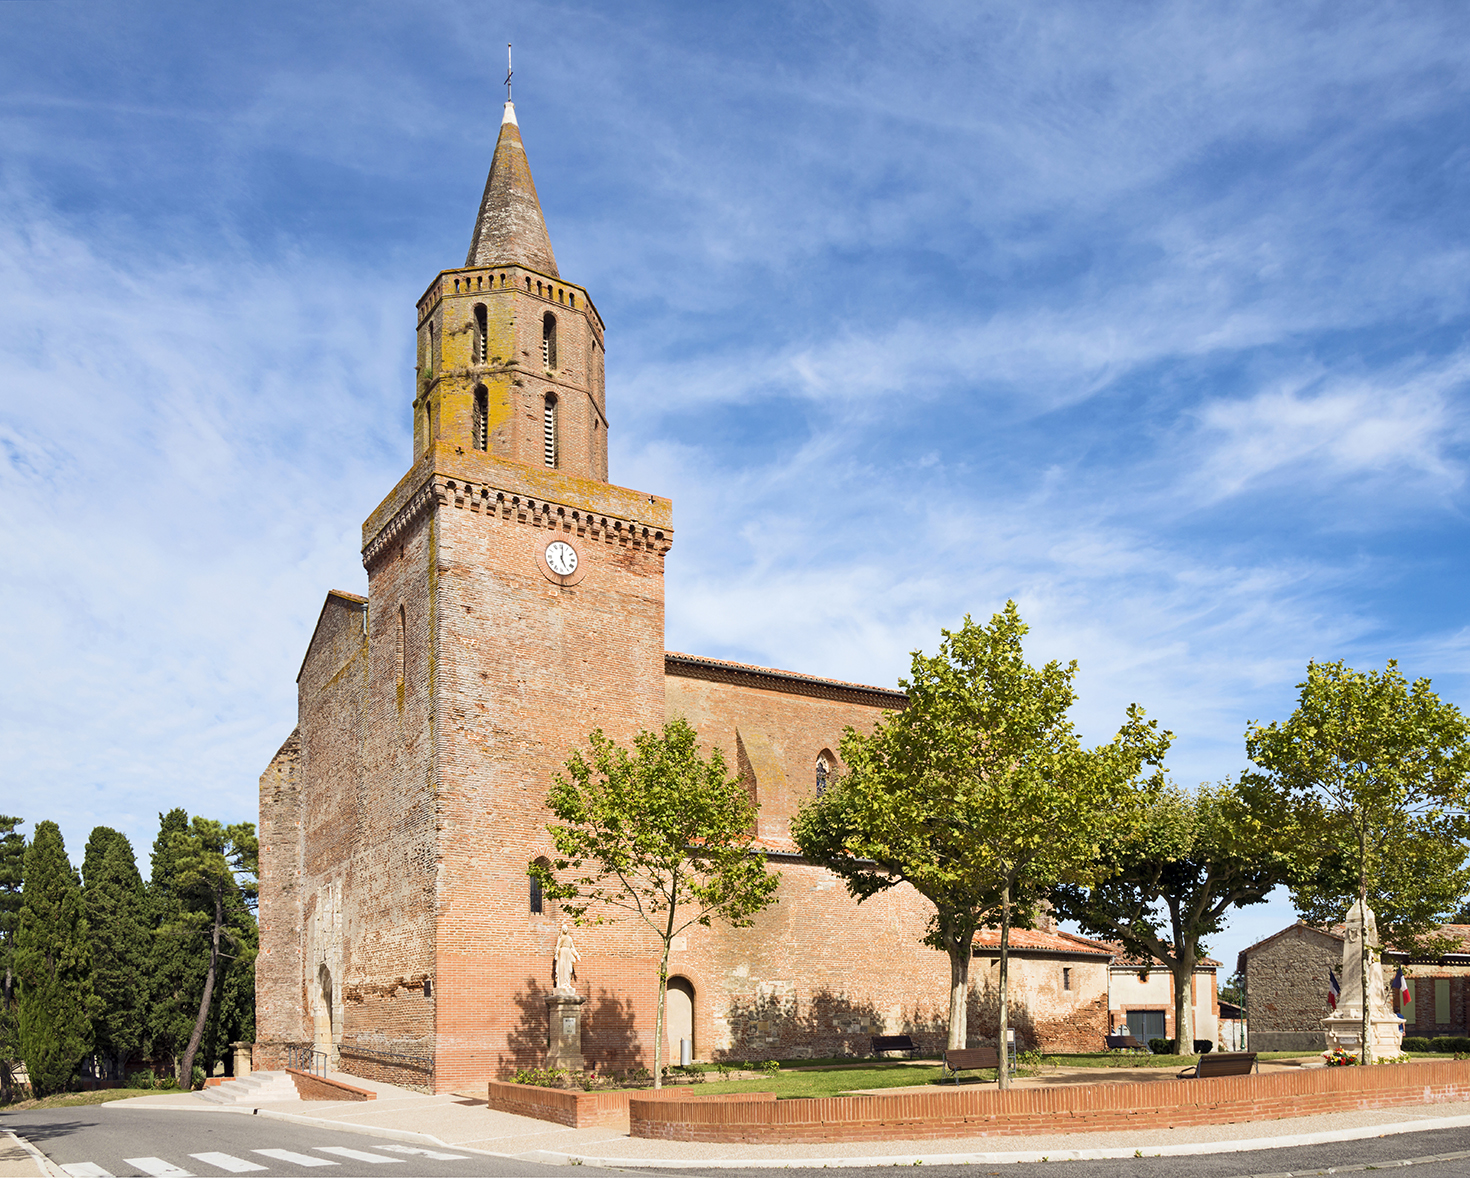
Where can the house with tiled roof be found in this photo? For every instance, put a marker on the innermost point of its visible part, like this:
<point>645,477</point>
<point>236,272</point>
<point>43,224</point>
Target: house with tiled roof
<point>1286,986</point>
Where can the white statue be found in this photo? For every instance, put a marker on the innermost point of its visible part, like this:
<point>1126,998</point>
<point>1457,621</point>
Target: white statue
<point>564,961</point>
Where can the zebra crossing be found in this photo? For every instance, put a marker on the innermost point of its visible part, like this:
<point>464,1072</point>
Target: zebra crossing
<point>287,1161</point>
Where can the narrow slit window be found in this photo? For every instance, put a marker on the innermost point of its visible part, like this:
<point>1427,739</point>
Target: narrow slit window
<point>548,340</point>
<point>1066,977</point>
<point>549,426</point>
<point>538,905</point>
<point>482,331</point>
<point>821,775</point>
<point>481,423</point>
<point>402,651</point>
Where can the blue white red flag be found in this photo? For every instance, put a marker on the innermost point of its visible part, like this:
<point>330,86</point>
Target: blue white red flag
<point>1334,989</point>
<point>1401,986</point>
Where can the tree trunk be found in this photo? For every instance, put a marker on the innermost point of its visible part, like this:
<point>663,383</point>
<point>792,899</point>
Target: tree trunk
<point>1365,1050</point>
<point>1183,971</point>
<point>186,1065</point>
<point>663,992</point>
<point>1003,1072</point>
<point>961,948</point>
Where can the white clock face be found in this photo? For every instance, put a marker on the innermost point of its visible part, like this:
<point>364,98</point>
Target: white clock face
<point>561,558</point>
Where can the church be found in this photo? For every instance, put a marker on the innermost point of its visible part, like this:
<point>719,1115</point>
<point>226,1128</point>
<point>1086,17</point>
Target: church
<point>515,603</point>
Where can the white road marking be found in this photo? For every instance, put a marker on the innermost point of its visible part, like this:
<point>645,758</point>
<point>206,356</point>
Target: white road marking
<point>85,1170</point>
<point>296,1159</point>
<point>437,1154</point>
<point>357,1155</point>
<point>226,1161</point>
<point>158,1168</point>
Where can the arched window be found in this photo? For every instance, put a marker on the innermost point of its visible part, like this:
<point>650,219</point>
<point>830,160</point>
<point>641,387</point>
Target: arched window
<point>549,431</point>
<point>571,299</point>
<point>538,902</point>
<point>824,767</point>
<point>548,340</point>
<point>481,423</point>
<point>679,1017</point>
<point>428,422</point>
<point>482,331</point>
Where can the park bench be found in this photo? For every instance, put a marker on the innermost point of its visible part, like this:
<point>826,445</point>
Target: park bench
<point>1225,1063</point>
<point>964,1059</point>
<point>1123,1043</point>
<point>882,1043</point>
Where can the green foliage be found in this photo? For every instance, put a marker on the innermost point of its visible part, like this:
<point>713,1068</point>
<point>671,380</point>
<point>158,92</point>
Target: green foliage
<point>201,899</point>
<point>1366,788</point>
<point>1415,1043</point>
<point>979,793</point>
<point>661,833</point>
<point>1169,877</point>
<point>116,909</point>
<point>1447,1044</point>
<point>53,964</point>
<point>12,879</point>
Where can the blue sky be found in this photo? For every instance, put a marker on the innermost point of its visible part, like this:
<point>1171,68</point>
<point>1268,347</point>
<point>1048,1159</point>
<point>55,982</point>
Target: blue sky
<point>1151,316</point>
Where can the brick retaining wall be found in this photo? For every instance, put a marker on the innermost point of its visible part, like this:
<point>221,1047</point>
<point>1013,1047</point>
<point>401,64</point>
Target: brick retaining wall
<point>313,1087</point>
<point>1089,1107</point>
<point>568,1106</point>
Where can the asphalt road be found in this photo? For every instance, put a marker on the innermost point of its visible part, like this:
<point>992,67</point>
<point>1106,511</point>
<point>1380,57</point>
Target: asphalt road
<point>1413,1151</point>
<point>92,1140</point>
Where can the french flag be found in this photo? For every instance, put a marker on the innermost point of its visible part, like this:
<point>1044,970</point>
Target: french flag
<point>1401,987</point>
<point>1334,989</point>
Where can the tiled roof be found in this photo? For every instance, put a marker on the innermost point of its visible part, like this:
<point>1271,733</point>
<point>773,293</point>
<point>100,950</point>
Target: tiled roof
<point>697,666</point>
<point>1044,941</point>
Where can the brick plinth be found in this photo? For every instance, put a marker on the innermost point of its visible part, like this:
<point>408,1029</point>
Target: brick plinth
<point>312,1087</point>
<point>1085,1108</point>
<point>580,1110</point>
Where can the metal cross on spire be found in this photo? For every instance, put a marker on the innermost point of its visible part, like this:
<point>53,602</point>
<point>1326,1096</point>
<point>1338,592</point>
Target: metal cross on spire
<point>509,73</point>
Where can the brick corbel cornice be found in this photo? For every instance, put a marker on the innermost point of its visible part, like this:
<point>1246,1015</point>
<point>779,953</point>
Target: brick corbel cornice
<point>440,492</point>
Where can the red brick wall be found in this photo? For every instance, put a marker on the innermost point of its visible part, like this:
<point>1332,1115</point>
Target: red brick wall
<point>1089,1108</point>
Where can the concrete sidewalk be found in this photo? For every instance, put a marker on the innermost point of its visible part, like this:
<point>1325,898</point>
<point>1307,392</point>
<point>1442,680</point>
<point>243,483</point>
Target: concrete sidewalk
<point>464,1122</point>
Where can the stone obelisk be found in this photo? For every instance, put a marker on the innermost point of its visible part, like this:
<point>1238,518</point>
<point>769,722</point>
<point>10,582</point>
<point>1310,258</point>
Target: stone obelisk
<point>1344,1026</point>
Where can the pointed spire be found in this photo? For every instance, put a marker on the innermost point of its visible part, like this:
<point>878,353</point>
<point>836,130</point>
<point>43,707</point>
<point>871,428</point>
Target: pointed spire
<point>510,227</point>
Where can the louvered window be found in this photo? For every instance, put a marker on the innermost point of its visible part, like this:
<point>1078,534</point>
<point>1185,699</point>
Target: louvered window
<point>548,340</point>
<point>550,431</point>
<point>482,330</point>
<point>481,424</point>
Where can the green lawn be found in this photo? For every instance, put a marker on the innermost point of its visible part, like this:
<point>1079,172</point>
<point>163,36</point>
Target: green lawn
<point>68,1099</point>
<point>828,1078</point>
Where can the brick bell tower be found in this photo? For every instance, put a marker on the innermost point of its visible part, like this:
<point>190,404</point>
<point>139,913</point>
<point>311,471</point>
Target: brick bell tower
<point>515,604</point>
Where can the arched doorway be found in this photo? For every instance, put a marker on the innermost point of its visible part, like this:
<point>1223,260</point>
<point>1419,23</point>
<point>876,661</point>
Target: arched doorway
<point>322,1020</point>
<point>679,1017</point>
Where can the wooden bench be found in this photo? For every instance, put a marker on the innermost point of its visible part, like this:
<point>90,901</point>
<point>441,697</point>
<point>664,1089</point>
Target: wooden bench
<point>1123,1043</point>
<point>882,1043</point>
<point>1226,1063</point>
<point>964,1059</point>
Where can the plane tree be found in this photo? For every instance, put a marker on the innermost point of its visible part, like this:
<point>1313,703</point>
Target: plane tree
<point>1168,878</point>
<point>979,794</point>
<point>661,833</point>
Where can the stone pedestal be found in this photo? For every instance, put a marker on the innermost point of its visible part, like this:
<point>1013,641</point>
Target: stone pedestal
<point>243,1054</point>
<point>1345,1029</point>
<point>564,1020</point>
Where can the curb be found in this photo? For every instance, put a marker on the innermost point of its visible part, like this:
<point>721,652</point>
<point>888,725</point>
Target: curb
<point>556,1157</point>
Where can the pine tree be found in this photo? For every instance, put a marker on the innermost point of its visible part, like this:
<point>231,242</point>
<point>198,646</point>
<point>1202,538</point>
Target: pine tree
<point>53,964</point>
<point>12,878</point>
<point>201,898</point>
<point>112,894</point>
<point>176,974</point>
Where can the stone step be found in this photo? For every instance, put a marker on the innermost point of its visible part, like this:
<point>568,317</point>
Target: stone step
<point>256,1088</point>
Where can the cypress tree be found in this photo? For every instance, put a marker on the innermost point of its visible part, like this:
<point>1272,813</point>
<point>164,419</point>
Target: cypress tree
<point>53,963</point>
<point>112,893</point>
<point>12,878</point>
